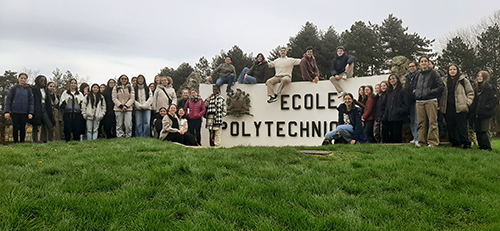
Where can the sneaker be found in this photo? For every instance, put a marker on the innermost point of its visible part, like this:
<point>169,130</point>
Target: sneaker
<point>417,145</point>
<point>430,146</point>
<point>343,76</point>
<point>341,94</point>
<point>272,98</point>
<point>413,142</point>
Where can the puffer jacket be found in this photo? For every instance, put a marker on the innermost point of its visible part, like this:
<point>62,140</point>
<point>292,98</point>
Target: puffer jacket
<point>428,85</point>
<point>71,102</point>
<point>143,101</point>
<point>195,108</point>
<point>160,99</point>
<point>22,102</point>
<point>90,111</point>
<point>123,96</point>
<point>464,95</point>
<point>167,126</point>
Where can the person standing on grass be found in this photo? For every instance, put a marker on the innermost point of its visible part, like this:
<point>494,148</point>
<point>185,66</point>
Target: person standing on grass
<point>109,121</point>
<point>227,74</point>
<point>93,110</point>
<point>71,104</point>
<point>308,66</point>
<point>342,68</point>
<point>395,112</point>
<point>412,108</point>
<point>216,109</point>
<point>380,111</point>
<point>84,89</point>
<point>42,116</point>
<point>19,106</point>
<point>284,68</point>
<point>428,88</point>
<point>123,97</point>
<point>349,126</point>
<point>164,94</point>
<point>142,105</point>
<point>483,109</point>
<point>54,101</point>
<point>369,113</point>
<point>195,109</point>
<point>257,73</point>
<point>172,130</point>
<point>454,104</point>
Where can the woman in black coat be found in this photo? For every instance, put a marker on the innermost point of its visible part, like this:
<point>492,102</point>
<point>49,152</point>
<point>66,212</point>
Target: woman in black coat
<point>482,109</point>
<point>395,112</point>
<point>109,120</point>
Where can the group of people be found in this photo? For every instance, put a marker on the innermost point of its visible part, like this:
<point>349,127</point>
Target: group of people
<point>379,113</point>
<point>126,109</point>
<point>120,108</point>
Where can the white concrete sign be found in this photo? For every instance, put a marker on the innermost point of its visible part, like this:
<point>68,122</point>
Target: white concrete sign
<point>303,114</point>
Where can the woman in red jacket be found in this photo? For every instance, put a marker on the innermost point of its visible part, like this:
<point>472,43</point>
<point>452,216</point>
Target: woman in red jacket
<point>369,114</point>
<point>195,109</point>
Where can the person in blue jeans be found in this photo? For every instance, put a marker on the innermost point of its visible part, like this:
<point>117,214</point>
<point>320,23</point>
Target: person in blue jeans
<point>349,124</point>
<point>255,74</point>
<point>227,74</point>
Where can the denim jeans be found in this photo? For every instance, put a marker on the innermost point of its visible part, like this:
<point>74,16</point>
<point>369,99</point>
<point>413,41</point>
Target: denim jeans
<point>142,118</point>
<point>414,121</point>
<point>92,126</point>
<point>249,79</point>
<point>345,131</point>
<point>223,80</point>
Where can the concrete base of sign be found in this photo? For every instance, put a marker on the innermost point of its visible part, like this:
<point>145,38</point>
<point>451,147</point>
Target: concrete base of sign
<point>303,114</point>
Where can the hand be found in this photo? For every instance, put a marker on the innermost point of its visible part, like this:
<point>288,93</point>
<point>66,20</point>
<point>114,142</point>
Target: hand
<point>154,121</point>
<point>315,80</point>
<point>209,78</point>
<point>85,117</point>
<point>181,132</point>
<point>124,109</point>
<point>30,116</point>
<point>246,76</point>
<point>337,77</point>
<point>7,116</point>
<point>347,68</point>
<point>353,141</point>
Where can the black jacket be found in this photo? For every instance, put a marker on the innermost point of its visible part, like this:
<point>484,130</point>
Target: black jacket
<point>483,106</point>
<point>380,107</point>
<point>428,85</point>
<point>396,108</point>
<point>355,117</point>
<point>410,85</point>
<point>259,70</point>
<point>37,114</point>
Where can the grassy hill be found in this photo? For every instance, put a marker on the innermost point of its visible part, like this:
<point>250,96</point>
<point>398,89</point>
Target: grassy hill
<point>146,184</point>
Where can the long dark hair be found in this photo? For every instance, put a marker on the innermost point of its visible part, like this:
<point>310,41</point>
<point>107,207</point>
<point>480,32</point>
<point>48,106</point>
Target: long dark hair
<point>38,79</point>
<point>371,89</point>
<point>90,96</point>
<point>83,86</point>
<point>136,88</point>
<point>257,58</point>
<point>398,86</point>
<point>451,81</point>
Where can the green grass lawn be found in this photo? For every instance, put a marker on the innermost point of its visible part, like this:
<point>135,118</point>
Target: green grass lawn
<point>146,184</point>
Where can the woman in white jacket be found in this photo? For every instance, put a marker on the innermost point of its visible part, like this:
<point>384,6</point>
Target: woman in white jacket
<point>142,107</point>
<point>93,110</point>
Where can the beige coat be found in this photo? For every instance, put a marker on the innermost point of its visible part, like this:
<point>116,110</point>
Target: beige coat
<point>122,96</point>
<point>93,112</point>
<point>167,127</point>
<point>161,100</point>
<point>463,96</point>
<point>141,103</point>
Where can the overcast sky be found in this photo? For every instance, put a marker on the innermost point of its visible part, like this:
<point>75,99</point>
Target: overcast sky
<point>102,39</point>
